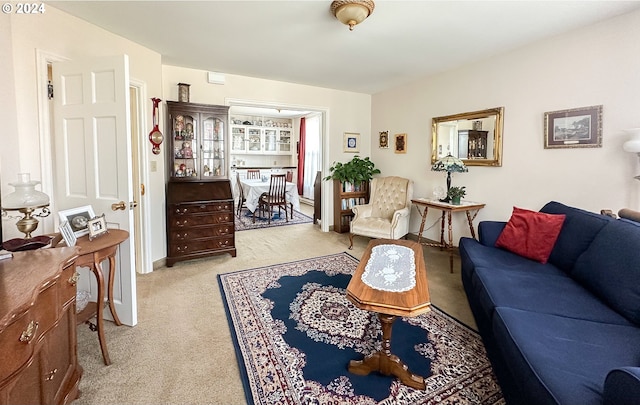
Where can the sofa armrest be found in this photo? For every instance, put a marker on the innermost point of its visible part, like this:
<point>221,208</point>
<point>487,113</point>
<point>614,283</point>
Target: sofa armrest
<point>622,386</point>
<point>489,231</point>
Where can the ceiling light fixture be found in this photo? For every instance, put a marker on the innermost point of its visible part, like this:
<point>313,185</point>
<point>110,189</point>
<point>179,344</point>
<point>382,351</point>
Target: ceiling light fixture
<point>352,12</point>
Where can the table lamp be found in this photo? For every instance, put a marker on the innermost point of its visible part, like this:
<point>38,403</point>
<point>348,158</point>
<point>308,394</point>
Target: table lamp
<point>26,199</point>
<point>449,164</point>
<point>633,144</point>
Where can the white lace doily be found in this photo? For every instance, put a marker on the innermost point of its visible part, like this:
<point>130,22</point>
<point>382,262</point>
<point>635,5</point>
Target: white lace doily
<point>390,268</point>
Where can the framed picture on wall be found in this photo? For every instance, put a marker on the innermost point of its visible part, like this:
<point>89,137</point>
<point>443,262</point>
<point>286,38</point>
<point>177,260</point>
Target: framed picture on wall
<point>574,128</point>
<point>401,143</point>
<point>351,142</point>
<point>384,139</point>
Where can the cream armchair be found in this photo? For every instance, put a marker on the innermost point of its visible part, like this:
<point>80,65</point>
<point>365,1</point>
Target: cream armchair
<point>387,214</point>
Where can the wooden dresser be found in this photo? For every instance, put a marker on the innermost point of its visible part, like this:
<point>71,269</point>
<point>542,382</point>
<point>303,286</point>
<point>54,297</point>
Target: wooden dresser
<point>38,347</point>
<point>200,220</point>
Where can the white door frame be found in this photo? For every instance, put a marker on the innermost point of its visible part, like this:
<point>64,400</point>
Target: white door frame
<point>324,141</point>
<point>142,218</point>
<point>43,59</point>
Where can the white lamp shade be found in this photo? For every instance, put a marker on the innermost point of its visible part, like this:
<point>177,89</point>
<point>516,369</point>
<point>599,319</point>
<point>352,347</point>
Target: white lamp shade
<point>25,195</point>
<point>633,144</point>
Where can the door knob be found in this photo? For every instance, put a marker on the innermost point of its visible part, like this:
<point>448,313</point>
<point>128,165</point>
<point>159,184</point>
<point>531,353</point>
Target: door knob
<point>119,206</point>
<point>123,205</point>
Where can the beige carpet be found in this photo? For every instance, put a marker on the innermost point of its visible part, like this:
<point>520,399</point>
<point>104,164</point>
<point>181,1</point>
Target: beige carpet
<point>181,351</point>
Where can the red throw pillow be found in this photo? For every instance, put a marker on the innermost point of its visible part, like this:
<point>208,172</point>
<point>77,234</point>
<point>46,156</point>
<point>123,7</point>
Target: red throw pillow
<point>531,234</point>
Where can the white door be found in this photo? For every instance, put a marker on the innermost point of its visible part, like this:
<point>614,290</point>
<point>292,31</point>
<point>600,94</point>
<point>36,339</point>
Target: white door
<point>92,159</point>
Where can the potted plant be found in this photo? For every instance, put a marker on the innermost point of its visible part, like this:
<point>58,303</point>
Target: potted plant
<point>354,171</point>
<point>455,193</point>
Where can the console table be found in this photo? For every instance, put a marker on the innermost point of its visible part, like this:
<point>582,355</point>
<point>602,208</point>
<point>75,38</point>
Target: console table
<point>447,209</point>
<point>391,279</point>
<point>92,253</point>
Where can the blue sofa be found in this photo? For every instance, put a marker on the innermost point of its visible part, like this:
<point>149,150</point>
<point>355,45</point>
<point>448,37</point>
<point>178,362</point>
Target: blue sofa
<point>567,331</point>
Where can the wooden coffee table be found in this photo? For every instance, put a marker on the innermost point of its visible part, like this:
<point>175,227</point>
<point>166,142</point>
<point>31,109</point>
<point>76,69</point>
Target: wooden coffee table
<point>380,265</point>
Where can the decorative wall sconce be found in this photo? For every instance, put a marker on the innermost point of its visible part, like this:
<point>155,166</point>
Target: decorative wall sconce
<point>26,200</point>
<point>633,144</point>
<point>352,12</point>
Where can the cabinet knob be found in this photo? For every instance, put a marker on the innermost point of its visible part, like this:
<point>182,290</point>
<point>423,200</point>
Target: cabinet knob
<point>28,334</point>
<point>50,374</point>
<point>73,280</point>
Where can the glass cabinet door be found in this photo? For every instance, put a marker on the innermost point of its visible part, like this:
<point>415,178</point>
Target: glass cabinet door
<point>185,142</point>
<point>254,144</point>
<point>284,142</point>
<point>238,140</point>
<point>213,153</point>
<point>270,140</point>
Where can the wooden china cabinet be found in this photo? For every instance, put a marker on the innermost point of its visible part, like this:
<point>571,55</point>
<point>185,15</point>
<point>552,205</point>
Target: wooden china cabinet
<point>38,345</point>
<point>200,212</point>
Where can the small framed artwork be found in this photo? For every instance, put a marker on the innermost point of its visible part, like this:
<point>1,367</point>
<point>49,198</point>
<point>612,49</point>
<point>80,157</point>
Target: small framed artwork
<point>67,234</point>
<point>351,142</point>
<point>78,219</point>
<point>574,128</point>
<point>401,143</point>
<point>384,139</point>
<point>97,227</point>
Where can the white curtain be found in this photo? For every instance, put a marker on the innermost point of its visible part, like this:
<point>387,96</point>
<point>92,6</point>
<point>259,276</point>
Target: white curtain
<point>312,154</point>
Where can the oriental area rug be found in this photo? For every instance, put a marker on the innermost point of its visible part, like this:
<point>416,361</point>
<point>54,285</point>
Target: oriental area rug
<point>245,220</point>
<point>295,331</point>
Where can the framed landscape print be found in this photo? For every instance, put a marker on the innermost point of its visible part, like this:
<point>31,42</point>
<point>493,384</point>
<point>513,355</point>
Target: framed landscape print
<point>401,143</point>
<point>351,142</point>
<point>574,128</point>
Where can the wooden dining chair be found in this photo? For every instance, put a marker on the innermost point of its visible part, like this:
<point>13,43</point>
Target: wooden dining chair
<point>275,197</point>
<point>242,201</point>
<point>253,173</point>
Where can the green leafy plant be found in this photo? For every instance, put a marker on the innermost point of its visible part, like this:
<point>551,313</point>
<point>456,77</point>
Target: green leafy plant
<point>354,171</point>
<point>456,192</point>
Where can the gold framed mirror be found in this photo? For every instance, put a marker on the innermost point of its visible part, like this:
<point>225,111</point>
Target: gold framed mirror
<point>475,137</point>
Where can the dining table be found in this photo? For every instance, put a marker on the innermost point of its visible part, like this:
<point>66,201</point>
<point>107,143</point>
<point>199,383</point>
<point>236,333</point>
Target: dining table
<point>253,189</point>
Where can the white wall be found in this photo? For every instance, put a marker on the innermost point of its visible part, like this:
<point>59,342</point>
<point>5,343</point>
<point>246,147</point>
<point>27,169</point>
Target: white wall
<point>61,34</point>
<point>596,65</point>
<point>347,111</point>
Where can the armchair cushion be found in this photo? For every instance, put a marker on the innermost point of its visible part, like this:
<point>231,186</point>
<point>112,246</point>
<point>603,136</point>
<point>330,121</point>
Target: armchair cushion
<point>387,214</point>
<point>390,195</point>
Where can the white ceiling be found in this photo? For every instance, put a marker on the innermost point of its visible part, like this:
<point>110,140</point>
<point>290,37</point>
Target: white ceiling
<point>301,42</point>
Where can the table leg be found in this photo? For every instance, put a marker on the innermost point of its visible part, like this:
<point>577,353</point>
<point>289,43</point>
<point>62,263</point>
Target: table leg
<point>470,219</point>
<point>385,362</point>
<point>424,218</point>
<point>450,246</point>
<point>442,245</point>
<point>112,276</point>
<point>97,270</point>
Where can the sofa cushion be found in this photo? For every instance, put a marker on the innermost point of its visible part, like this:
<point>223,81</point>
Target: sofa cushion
<point>610,268</point>
<point>540,288</point>
<point>560,360</point>
<point>531,234</point>
<point>578,230</point>
<point>622,386</point>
